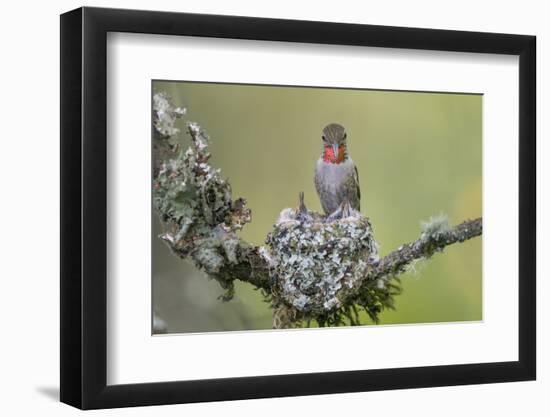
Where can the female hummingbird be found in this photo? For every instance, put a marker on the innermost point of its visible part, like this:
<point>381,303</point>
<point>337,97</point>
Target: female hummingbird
<point>336,177</point>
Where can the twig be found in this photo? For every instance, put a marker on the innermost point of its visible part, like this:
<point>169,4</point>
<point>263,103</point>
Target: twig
<point>397,261</point>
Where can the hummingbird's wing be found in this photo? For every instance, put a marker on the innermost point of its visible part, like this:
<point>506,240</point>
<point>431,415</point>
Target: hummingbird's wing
<point>356,179</point>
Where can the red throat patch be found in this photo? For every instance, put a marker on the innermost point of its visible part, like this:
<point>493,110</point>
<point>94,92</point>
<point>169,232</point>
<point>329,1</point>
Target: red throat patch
<point>328,154</point>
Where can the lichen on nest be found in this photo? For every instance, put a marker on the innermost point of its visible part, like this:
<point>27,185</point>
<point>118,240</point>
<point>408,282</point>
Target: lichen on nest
<point>320,262</point>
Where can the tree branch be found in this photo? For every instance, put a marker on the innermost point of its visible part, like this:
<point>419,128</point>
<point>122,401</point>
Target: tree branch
<point>397,261</point>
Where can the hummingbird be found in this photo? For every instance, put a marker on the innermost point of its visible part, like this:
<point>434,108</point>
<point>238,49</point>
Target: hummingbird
<point>336,176</point>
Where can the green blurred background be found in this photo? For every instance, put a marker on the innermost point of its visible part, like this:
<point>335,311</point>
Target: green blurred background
<point>418,154</point>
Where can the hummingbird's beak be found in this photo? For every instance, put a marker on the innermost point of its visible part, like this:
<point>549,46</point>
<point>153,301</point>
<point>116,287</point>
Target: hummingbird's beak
<point>336,150</point>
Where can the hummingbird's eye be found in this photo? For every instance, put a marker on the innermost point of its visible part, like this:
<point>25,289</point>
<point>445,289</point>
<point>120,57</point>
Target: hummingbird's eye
<point>324,138</point>
<point>345,136</point>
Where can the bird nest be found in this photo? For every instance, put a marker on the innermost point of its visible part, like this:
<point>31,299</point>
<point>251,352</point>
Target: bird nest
<point>319,262</point>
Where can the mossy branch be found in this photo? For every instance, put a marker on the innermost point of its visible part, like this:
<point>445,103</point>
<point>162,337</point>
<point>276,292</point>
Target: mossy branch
<point>397,261</point>
<point>313,267</point>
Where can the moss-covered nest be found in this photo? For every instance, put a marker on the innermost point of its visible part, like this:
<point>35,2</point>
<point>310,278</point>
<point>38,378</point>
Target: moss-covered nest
<point>320,262</point>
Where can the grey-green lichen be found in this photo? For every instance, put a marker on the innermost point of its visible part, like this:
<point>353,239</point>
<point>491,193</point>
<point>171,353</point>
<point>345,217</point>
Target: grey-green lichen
<point>435,225</point>
<point>165,115</point>
<point>432,230</point>
<point>319,264</point>
<point>195,202</point>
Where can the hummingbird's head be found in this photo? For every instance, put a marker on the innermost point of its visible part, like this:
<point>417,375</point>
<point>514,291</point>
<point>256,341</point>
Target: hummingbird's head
<point>334,143</point>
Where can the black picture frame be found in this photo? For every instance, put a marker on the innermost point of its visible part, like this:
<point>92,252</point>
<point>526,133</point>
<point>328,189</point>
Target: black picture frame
<point>84,207</point>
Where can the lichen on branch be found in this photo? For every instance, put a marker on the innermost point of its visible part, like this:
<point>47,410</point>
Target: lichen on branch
<point>312,267</point>
<point>195,203</point>
<point>433,240</point>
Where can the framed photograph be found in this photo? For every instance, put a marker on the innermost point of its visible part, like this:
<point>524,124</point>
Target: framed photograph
<point>256,208</point>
